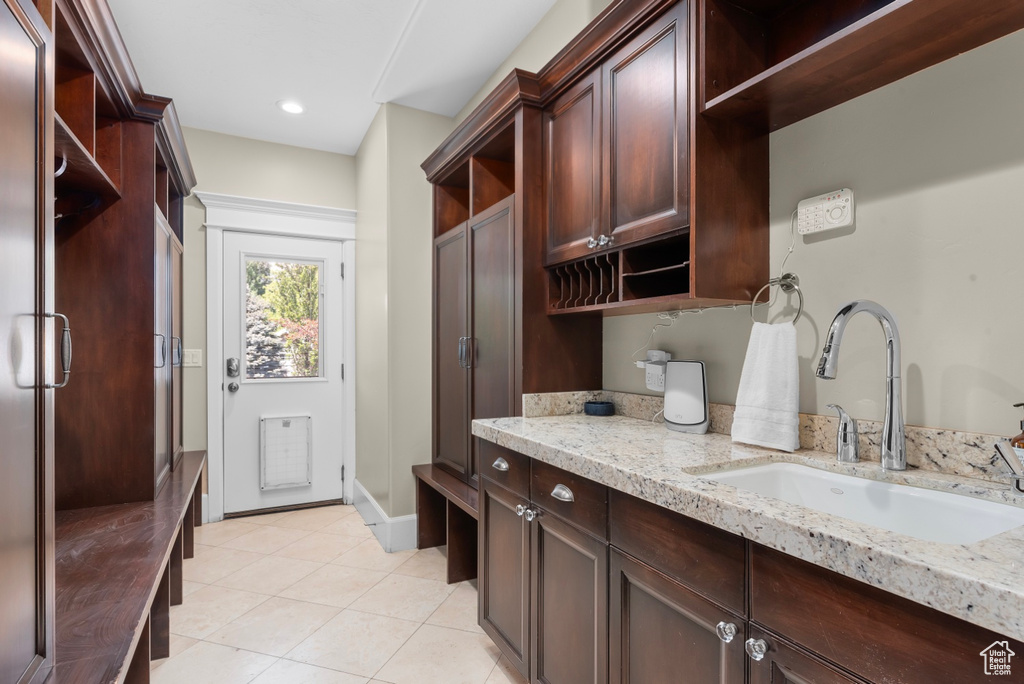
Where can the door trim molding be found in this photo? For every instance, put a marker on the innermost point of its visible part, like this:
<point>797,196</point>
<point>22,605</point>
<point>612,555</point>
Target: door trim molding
<point>286,219</point>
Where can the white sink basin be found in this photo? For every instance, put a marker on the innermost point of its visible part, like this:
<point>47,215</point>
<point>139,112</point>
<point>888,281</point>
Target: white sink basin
<point>922,513</point>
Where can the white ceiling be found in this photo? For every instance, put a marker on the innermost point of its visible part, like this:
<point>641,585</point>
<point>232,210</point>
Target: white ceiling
<point>227,62</point>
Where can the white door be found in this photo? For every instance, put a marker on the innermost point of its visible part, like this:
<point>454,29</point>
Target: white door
<point>283,376</point>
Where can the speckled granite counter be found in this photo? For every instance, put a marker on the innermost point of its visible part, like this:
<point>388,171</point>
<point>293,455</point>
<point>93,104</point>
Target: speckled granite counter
<point>982,583</point>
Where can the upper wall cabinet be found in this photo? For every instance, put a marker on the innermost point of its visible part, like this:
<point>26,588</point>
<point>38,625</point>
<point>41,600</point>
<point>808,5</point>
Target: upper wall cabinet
<point>616,146</point>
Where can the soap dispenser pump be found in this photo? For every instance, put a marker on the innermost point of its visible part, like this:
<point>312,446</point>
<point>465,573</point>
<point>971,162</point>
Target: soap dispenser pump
<point>1018,442</point>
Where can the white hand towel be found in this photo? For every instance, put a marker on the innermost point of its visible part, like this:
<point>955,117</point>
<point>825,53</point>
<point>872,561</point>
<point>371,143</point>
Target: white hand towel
<point>767,402</point>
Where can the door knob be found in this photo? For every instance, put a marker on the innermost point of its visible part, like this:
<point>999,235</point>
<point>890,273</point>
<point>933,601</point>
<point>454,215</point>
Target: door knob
<point>233,367</point>
<point>233,387</point>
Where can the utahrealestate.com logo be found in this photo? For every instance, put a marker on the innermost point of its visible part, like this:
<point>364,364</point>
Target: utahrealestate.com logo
<point>997,658</point>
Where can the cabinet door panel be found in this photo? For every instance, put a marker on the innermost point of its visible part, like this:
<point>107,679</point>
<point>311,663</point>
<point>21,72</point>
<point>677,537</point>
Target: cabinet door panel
<point>504,568</point>
<point>177,332</point>
<point>663,632</point>
<point>785,664</point>
<point>492,293</point>
<point>646,143</point>
<point>451,380</point>
<point>26,432</point>
<point>572,139</point>
<point>570,604</point>
<point>163,352</point>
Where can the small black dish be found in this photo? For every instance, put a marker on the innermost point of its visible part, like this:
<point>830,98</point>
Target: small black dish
<point>599,408</point>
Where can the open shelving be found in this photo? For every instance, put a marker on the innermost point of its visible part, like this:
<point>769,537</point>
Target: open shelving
<point>770,63</point>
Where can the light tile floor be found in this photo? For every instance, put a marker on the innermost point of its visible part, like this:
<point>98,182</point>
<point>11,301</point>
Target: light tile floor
<point>310,597</point>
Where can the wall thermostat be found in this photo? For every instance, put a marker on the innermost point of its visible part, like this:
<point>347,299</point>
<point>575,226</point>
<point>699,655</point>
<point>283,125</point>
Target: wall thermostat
<point>825,212</point>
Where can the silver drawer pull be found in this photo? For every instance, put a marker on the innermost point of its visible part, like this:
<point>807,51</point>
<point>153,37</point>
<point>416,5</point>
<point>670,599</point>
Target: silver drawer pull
<point>520,509</point>
<point>756,648</point>
<point>563,493</point>
<point>501,464</point>
<point>726,631</point>
<point>530,515</point>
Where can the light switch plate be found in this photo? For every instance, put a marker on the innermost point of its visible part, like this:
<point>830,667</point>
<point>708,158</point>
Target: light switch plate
<point>193,358</point>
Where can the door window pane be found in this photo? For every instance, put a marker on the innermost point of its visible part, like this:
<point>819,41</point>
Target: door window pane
<point>282,319</point>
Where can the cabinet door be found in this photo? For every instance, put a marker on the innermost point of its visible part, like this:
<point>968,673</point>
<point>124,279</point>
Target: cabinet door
<point>492,348</point>
<point>663,632</point>
<point>570,604</point>
<point>177,332</point>
<point>783,663</point>
<point>572,145</point>
<point>646,174</point>
<point>504,572</point>
<point>451,376</point>
<point>162,353</point>
<point>26,415</point>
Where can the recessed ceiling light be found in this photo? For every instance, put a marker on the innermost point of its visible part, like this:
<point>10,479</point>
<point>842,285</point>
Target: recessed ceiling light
<point>291,106</point>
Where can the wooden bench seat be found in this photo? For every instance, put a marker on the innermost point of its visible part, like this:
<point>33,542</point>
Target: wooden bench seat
<point>447,513</point>
<point>118,572</point>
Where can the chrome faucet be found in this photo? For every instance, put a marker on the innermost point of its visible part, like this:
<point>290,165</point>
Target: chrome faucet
<point>894,442</point>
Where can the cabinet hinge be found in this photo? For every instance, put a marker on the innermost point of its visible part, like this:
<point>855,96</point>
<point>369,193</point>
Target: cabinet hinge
<point>342,371</point>
<point>342,473</point>
<point>343,270</point>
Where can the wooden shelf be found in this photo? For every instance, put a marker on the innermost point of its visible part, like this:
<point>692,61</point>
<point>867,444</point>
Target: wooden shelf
<point>895,41</point>
<point>83,172</point>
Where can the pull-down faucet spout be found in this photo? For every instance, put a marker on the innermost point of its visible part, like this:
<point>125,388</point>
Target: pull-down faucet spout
<point>894,444</point>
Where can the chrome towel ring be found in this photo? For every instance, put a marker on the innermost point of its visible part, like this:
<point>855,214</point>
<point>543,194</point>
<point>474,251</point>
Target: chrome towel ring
<point>788,283</point>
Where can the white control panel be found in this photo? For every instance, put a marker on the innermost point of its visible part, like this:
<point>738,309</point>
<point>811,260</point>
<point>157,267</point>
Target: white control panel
<point>825,212</point>
<point>192,358</point>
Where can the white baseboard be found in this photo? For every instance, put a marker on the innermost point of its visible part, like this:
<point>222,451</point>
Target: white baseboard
<point>206,508</point>
<point>394,534</point>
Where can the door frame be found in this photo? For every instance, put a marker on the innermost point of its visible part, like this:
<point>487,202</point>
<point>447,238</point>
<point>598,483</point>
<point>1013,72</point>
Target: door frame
<point>269,217</point>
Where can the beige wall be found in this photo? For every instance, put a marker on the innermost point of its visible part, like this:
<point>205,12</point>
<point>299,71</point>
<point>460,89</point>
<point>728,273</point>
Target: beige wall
<point>553,32</point>
<point>248,168</point>
<point>393,305</point>
<point>937,162</point>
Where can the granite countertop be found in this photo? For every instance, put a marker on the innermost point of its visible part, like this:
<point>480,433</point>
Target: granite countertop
<point>982,583</point>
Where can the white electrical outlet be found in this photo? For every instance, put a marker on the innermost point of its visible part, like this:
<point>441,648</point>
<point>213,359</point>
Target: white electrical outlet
<point>654,369</point>
<point>825,212</point>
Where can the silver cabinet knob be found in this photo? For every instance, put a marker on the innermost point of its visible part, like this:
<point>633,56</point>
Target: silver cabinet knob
<point>726,631</point>
<point>530,515</point>
<point>233,387</point>
<point>756,648</point>
<point>591,243</point>
<point>603,240</point>
<point>520,509</point>
<point>563,493</point>
<point>500,464</point>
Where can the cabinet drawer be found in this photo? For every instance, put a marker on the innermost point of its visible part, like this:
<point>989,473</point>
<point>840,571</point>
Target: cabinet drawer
<point>700,556</point>
<point>868,631</point>
<point>508,468</point>
<point>589,507</point>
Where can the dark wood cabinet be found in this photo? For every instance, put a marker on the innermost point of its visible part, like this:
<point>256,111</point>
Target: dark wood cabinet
<point>645,88</point>
<point>120,200</point>
<point>572,158</point>
<point>663,632</point>
<point>569,616</point>
<point>451,329</point>
<point>27,346</point>
<point>491,348</point>
<point>544,580</point>
<point>492,337</point>
<point>784,663</point>
<point>616,146</point>
<point>504,572</point>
